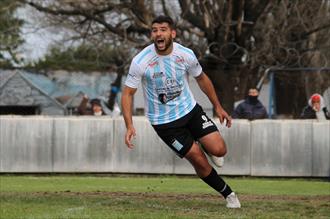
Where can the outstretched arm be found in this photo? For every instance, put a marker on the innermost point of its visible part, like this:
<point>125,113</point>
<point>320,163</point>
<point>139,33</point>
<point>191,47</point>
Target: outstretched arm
<point>127,106</point>
<point>207,87</point>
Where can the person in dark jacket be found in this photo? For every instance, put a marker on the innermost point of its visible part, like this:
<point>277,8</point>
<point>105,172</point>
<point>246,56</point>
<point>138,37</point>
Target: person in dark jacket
<point>315,109</point>
<point>96,107</point>
<point>251,108</point>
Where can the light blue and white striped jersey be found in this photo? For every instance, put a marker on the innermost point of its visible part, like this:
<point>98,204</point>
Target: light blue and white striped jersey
<point>167,95</point>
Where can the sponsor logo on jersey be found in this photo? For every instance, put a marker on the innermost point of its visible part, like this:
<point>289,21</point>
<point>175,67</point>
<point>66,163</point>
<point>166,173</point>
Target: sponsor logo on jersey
<point>152,64</point>
<point>169,91</point>
<point>179,60</point>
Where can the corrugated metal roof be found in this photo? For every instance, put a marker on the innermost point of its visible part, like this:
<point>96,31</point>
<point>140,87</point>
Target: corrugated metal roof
<point>72,90</point>
<point>42,82</point>
<point>5,75</point>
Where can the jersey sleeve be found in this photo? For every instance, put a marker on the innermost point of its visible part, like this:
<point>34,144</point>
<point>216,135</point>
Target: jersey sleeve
<point>194,68</point>
<point>134,75</point>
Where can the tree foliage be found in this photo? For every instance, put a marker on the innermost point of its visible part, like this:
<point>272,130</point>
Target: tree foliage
<point>84,57</point>
<point>10,37</point>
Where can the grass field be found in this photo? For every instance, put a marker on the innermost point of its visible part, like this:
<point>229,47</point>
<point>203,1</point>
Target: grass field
<point>88,196</point>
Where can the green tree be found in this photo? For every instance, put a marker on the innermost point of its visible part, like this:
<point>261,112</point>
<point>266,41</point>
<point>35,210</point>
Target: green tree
<point>10,38</point>
<point>84,57</point>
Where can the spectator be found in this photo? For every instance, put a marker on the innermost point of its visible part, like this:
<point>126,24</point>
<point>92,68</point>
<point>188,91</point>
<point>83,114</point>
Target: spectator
<point>251,108</point>
<point>315,109</point>
<point>96,107</point>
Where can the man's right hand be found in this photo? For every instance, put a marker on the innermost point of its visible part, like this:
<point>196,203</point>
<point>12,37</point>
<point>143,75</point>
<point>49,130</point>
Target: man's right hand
<point>130,134</point>
<point>223,116</point>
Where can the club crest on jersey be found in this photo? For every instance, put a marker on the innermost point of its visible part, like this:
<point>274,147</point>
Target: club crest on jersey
<point>157,75</point>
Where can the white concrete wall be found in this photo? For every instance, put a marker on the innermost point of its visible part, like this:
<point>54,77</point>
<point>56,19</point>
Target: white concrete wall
<point>281,148</point>
<point>321,149</point>
<point>96,144</point>
<point>150,154</point>
<point>83,144</point>
<point>238,141</point>
<point>26,144</point>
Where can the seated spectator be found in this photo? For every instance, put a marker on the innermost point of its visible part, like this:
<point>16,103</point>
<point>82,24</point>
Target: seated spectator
<point>315,109</point>
<point>251,108</point>
<point>96,107</point>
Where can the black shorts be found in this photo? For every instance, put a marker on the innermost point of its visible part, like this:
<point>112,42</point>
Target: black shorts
<point>180,134</point>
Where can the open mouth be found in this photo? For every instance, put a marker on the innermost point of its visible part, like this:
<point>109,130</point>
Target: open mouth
<point>160,42</point>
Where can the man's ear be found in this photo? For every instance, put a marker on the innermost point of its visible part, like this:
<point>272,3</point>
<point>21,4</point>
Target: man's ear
<point>173,33</point>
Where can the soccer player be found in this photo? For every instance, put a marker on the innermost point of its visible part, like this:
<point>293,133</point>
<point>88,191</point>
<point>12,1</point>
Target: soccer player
<point>179,121</point>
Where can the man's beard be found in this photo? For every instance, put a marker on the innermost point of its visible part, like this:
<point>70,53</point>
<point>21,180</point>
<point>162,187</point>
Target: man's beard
<point>168,44</point>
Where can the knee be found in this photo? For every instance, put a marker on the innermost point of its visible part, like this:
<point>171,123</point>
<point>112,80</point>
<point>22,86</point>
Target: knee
<point>221,151</point>
<point>202,168</point>
<point>200,164</point>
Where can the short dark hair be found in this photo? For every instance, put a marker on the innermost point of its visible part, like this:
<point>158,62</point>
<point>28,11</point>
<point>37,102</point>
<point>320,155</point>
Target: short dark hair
<point>164,19</point>
<point>254,88</point>
<point>96,102</point>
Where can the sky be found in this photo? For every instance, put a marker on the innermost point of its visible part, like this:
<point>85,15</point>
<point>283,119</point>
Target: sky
<point>37,39</point>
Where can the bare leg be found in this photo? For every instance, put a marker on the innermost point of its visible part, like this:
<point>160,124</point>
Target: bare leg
<point>199,161</point>
<point>214,144</point>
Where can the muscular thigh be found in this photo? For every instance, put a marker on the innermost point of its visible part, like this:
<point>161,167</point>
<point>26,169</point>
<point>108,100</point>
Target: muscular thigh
<point>214,144</point>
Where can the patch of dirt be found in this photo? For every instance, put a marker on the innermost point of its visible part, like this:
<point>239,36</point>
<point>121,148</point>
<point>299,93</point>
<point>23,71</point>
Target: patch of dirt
<point>176,196</point>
